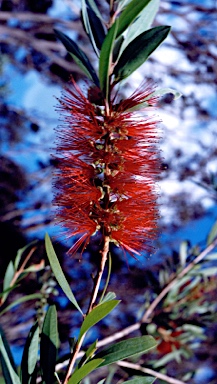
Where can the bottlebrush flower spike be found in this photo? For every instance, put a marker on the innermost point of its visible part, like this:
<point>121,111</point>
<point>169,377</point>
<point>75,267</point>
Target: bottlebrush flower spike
<point>107,169</point>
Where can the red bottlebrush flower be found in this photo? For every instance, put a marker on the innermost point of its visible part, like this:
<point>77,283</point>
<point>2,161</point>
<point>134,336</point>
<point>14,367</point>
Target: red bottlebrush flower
<point>107,169</point>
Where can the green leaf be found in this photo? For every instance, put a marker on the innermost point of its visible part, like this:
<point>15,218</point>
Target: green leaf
<point>212,271</point>
<point>78,55</point>
<point>212,234</point>
<point>141,380</point>
<point>142,23</point>
<point>88,354</point>
<point>93,26</point>
<point>193,329</point>
<point>90,351</point>
<point>108,297</point>
<point>122,4</point>
<point>20,253</point>
<point>211,256</point>
<point>174,355</point>
<point>5,371</point>
<point>97,314</point>
<point>94,7</point>
<point>10,375</point>
<point>79,374</point>
<point>106,58</point>
<point>30,355</point>
<point>158,93</point>
<point>137,52</point>
<point>117,48</point>
<point>22,299</point>
<point>183,252</point>
<point>72,343</point>
<point>49,345</point>
<point>8,290</point>
<point>58,273</point>
<point>9,274</point>
<point>125,349</point>
<point>165,91</point>
<point>34,268</point>
<point>130,13</point>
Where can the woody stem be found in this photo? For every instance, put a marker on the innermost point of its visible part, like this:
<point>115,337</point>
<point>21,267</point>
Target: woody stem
<point>98,277</point>
<point>95,291</point>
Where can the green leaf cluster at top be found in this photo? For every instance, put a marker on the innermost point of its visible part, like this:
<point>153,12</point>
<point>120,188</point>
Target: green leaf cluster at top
<point>128,43</point>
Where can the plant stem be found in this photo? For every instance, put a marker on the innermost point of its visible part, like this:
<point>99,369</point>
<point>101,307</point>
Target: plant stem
<point>95,291</point>
<point>21,269</point>
<point>73,359</point>
<point>149,371</point>
<point>98,277</point>
<point>108,277</point>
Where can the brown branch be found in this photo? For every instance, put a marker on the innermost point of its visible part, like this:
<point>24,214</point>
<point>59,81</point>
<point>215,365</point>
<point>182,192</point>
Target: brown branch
<point>184,272</point>
<point>99,274</point>
<point>158,375</point>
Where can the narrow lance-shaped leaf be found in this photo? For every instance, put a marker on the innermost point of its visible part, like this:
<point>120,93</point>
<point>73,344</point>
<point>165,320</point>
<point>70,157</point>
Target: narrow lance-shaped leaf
<point>10,375</point>
<point>137,52</point>
<point>88,354</point>
<point>20,253</point>
<point>35,267</point>
<point>97,314</point>
<point>94,7</point>
<point>30,355</point>
<point>49,345</point>
<point>105,59</point>
<point>142,23</point>
<point>117,49</point>
<point>58,273</point>
<point>22,299</point>
<point>158,93</point>
<point>82,372</point>
<point>183,253</point>
<point>212,234</point>
<point>108,297</point>
<point>122,4</point>
<point>8,290</point>
<point>97,28</point>
<point>211,256</point>
<point>8,276</point>
<point>93,25</point>
<point>130,13</point>
<point>5,370</point>
<point>165,91</point>
<point>87,26</point>
<point>78,55</point>
<point>125,349</point>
